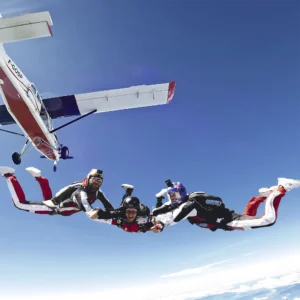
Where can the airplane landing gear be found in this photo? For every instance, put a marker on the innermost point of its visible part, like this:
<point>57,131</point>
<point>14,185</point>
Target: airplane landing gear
<point>64,152</point>
<point>16,157</point>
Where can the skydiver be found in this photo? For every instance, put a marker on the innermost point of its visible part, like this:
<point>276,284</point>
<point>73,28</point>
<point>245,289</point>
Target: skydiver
<point>208,211</point>
<point>143,210</point>
<point>78,196</point>
<point>131,216</point>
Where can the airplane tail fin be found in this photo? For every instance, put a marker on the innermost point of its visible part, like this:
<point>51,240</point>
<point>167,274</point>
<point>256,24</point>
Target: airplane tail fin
<point>24,27</point>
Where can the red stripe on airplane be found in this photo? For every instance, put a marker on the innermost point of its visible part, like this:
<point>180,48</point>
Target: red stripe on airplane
<point>50,30</point>
<point>171,91</point>
<point>24,116</point>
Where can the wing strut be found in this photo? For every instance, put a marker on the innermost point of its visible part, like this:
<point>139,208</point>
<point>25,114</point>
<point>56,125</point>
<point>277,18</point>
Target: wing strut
<point>12,132</point>
<point>62,126</point>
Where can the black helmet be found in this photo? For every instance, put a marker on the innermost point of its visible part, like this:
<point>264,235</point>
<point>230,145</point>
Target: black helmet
<point>131,202</point>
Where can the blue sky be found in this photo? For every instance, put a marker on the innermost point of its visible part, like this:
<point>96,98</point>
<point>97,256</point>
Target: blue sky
<point>231,128</point>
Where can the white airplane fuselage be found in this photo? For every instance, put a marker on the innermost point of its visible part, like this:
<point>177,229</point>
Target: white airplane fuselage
<point>24,105</point>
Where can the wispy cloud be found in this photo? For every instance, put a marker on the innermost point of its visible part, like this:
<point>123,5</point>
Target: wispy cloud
<point>223,249</point>
<point>211,253</point>
<point>193,271</point>
<point>270,274</point>
<point>248,254</point>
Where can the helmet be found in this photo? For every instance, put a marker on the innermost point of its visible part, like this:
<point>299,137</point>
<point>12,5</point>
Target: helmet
<point>131,202</point>
<point>94,179</point>
<point>95,173</point>
<point>178,189</point>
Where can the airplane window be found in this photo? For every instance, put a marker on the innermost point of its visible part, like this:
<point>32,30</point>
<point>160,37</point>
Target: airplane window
<point>39,97</point>
<point>30,95</point>
<point>33,88</point>
<point>36,92</point>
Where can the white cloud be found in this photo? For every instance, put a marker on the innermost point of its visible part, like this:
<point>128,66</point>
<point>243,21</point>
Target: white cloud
<point>193,271</point>
<point>245,277</point>
<point>248,254</point>
<point>270,283</point>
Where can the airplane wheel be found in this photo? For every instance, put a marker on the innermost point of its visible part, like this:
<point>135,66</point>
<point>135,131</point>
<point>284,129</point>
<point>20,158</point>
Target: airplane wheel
<point>16,158</point>
<point>64,153</point>
<point>55,166</point>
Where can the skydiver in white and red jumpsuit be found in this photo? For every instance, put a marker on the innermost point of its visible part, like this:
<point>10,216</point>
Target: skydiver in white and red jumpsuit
<point>209,211</point>
<point>78,196</point>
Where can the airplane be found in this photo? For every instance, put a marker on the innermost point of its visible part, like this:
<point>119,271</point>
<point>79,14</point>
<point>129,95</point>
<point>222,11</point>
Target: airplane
<point>24,106</point>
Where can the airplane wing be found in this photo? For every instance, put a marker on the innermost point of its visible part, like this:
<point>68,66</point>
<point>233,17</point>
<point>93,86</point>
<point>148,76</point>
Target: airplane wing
<point>110,100</point>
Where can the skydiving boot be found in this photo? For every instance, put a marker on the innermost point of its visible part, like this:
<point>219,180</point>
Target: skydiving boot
<point>162,193</point>
<point>159,197</point>
<point>34,171</point>
<point>264,192</point>
<point>128,187</point>
<point>5,171</point>
<point>288,184</point>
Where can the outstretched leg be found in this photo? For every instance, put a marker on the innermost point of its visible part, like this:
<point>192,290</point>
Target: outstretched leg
<point>43,182</point>
<point>18,195</point>
<point>271,207</point>
<point>47,194</point>
<point>252,205</point>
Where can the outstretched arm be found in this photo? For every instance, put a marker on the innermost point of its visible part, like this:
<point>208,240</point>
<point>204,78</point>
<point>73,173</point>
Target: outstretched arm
<point>144,224</point>
<point>106,203</point>
<point>82,201</point>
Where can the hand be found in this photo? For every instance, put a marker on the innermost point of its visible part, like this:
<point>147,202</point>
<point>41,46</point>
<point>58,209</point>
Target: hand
<point>94,214</point>
<point>157,226</point>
